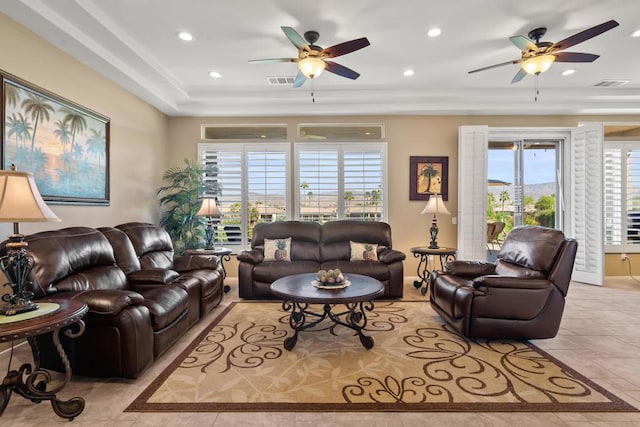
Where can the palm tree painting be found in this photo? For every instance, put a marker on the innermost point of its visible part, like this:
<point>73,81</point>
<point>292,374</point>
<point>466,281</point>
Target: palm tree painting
<point>64,145</point>
<point>428,175</point>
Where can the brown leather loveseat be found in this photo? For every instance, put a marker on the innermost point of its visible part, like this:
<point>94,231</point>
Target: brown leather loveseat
<point>313,247</point>
<point>520,296</point>
<point>141,300</point>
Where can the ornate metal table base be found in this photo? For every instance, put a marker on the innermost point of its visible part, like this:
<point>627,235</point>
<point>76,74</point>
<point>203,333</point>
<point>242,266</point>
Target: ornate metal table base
<point>302,318</point>
<point>31,382</point>
<point>424,274</point>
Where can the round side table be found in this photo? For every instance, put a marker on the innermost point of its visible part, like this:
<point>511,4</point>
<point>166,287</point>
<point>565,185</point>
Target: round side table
<point>35,386</point>
<point>425,267</point>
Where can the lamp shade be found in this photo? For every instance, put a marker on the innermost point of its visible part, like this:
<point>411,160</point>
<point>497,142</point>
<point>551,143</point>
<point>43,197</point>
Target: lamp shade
<point>311,66</point>
<point>538,64</point>
<point>20,200</point>
<point>209,208</point>
<point>435,205</point>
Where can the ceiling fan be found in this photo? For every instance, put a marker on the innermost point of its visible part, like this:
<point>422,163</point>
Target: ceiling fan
<point>537,56</point>
<point>312,59</point>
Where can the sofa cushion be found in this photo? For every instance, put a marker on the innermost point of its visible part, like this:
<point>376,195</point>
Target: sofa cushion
<point>152,244</point>
<point>269,271</point>
<point>305,237</point>
<point>363,251</point>
<point>165,303</point>
<point>375,269</point>
<point>80,257</point>
<point>277,249</point>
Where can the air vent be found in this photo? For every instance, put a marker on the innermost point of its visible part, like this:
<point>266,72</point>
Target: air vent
<point>279,81</point>
<point>612,83</point>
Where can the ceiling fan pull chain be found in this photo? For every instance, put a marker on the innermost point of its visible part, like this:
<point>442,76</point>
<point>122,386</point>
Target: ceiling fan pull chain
<point>313,98</point>
<point>537,87</point>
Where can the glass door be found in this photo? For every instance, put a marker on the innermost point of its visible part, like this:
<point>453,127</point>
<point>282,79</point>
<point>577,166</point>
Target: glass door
<point>523,186</point>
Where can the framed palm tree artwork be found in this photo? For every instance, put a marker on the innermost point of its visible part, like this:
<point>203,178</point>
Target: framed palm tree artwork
<point>428,175</point>
<point>64,145</point>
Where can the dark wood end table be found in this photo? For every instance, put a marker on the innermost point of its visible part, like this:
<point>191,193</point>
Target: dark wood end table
<point>424,272</point>
<point>34,387</point>
<point>299,294</point>
<point>223,253</point>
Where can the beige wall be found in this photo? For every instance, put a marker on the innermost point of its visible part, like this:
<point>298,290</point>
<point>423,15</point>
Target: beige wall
<point>138,145</point>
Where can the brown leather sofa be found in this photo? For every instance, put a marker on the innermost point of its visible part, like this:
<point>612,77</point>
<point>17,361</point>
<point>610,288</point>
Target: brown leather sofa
<point>315,247</point>
<point>520,296</point>
<point>141,300</point>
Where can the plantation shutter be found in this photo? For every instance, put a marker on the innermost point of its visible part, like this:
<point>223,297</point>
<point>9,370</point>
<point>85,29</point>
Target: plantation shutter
<point>228,163</point>
<point>317,196</point>
<point>613,196</point>
<point>267,185</point>
<point>473,143</point>
<point>363,182</point>
<point>586,216</point>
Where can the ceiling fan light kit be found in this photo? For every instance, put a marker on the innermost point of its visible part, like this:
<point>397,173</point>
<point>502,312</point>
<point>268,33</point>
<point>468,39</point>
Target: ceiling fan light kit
<point>312,59</point>
<point>537,56</point>
<point>538,64</point>
<point>311,66</point>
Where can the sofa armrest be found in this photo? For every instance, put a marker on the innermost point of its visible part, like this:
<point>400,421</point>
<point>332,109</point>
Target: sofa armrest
<point>254,256</point>
<point>389,256</point>
<point>185,263</point>
<point>104,301</point>
<point>469,268</point>
<point>506,282</point>
<point>152,276</point>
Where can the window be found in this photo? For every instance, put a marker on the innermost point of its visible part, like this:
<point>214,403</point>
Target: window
<point>622,196</point>
<point>253,183</point>
<point>341,181</point>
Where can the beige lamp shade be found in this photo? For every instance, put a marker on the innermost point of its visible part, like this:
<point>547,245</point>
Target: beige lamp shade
<point>435,205</point>
<point>20,200</point>
<point>209,208</point>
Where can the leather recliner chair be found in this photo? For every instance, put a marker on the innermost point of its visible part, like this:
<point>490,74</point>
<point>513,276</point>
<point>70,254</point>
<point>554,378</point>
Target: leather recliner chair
<point>520,296</point>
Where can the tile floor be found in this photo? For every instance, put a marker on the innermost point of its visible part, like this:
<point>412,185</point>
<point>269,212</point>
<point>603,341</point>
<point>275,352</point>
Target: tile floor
<point>599,336</point>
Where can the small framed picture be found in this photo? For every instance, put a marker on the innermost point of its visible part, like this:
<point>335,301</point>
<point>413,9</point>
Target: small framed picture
<point>428,175</point>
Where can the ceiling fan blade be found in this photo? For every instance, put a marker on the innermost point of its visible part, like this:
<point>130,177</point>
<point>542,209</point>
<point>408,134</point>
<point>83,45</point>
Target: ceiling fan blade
<point>519,76</point>
<point>255,61</point>
<point>515,61</point>
<point>295,38</point>
<point>584,35</point>
<point>346,47</point>
<point>299,80</point>
<point>575,57</point>
<point>523,43</point>
<point>341,70</point>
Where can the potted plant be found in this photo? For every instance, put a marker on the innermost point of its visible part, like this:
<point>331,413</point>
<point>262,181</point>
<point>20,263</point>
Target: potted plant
<point>181,200</point>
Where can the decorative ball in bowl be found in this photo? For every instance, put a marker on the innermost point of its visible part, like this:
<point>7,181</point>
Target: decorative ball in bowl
<point>330,277</point>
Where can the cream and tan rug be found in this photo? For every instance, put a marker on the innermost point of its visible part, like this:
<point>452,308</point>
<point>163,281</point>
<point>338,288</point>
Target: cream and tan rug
<point>417,364</point>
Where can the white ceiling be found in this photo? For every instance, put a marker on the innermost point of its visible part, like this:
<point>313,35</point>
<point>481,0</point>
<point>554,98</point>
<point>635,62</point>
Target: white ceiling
<point>134,43</point>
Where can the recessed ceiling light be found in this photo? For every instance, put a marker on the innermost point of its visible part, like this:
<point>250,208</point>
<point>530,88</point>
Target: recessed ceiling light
<point>408,73</point>
<point>568,72</point>
<point>183,35</point>
<point>636,33</point>
<point>434,32</point>
<point>215,74</point>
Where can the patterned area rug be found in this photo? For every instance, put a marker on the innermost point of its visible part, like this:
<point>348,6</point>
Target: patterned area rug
<point>417,364</point>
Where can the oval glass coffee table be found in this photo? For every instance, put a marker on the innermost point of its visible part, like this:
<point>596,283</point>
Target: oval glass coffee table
<point>299,295</point>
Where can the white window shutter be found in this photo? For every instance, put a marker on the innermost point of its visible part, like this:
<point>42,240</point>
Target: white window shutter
<point>586,217</point>
<point>473,143</point>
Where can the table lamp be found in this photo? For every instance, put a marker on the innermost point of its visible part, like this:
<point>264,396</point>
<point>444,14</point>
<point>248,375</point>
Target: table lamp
<point>20,201</point>
<point>209,209</point>
<point>435,205</point>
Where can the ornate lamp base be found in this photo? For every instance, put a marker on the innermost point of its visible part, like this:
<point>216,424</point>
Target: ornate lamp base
<point>18,306</point>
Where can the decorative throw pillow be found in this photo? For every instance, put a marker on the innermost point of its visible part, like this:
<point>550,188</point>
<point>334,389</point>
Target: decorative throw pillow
<point>277,249</point>
<point>364,251</point>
